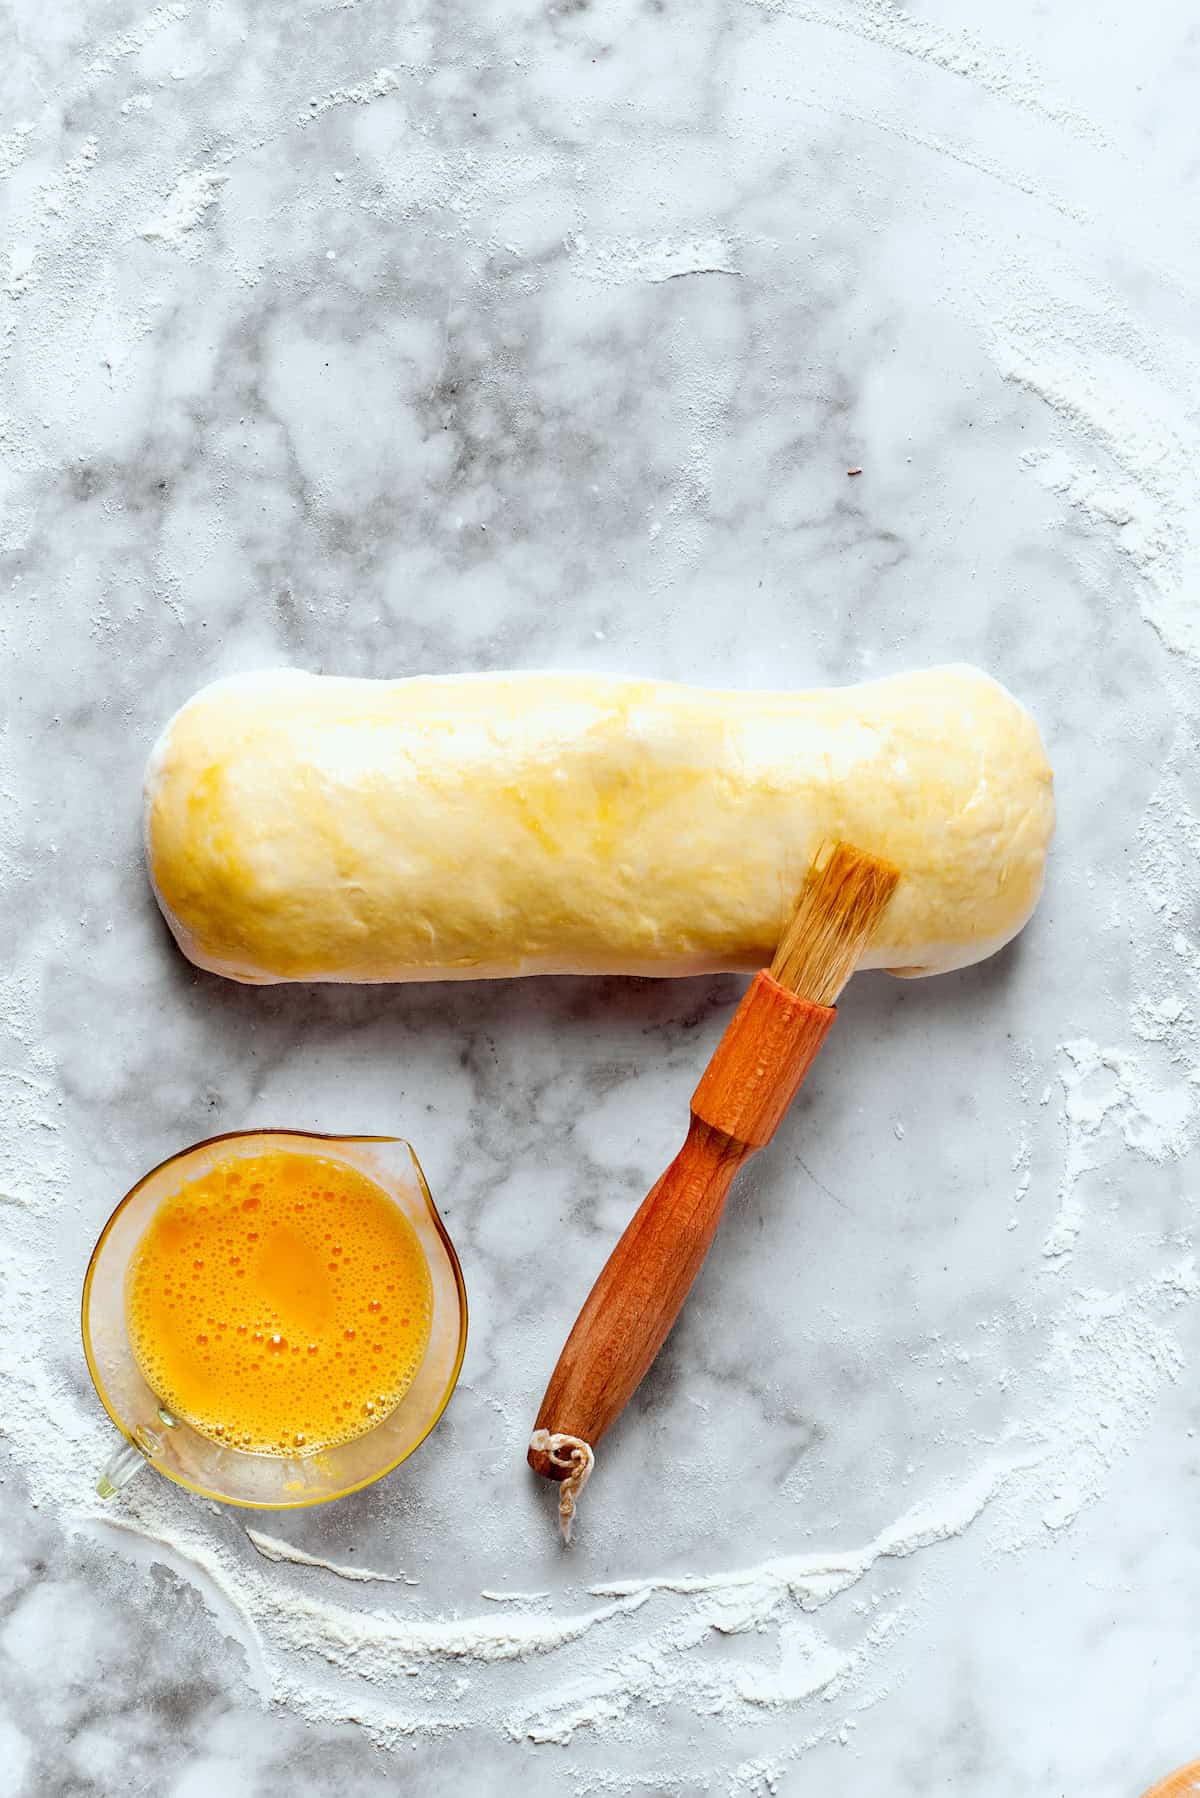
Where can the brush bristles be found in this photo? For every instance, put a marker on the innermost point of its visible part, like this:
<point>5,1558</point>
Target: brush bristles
<point>842,900</point>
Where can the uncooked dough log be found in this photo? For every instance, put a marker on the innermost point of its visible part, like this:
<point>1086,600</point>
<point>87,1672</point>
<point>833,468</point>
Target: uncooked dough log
<point>467,827</point>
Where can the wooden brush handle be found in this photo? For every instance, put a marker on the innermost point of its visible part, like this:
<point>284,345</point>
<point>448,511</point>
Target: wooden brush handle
<point>769,1045</point>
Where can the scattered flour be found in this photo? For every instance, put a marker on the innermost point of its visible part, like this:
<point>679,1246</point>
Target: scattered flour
<point>515,1597</point>
<point>295,1631</point>
<point>13,147</point>
<point>186,207</point>
<point>381,84</point>
<point>1168,850</point>
<point>272,1549</point>
<point>1110,1355</point>
<point>748,1596</point>
<point>21,260</point>
<point>1022,1162</point>
<point>1126,458</point>
<point>986,67</point>
<point>618,262</point>
<point>1107,1093</point>
<point>126,44</point>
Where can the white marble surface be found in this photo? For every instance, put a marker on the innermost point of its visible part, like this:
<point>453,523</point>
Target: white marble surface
<point>392,338</point>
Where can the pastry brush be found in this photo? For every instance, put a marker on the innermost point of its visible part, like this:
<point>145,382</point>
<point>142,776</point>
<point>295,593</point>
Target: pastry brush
<point>769,1045</point>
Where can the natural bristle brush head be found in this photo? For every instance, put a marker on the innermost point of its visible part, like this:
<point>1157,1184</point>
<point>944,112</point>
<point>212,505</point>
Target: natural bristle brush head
<point>844,895</point>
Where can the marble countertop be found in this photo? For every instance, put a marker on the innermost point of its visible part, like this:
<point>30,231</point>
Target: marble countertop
<point>389,339</point>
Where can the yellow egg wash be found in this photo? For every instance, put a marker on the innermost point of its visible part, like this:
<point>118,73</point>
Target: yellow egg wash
<point>279,1303</point>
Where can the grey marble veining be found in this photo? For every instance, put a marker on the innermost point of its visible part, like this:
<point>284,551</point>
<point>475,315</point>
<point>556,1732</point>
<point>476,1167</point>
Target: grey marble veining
<point>382,340</point>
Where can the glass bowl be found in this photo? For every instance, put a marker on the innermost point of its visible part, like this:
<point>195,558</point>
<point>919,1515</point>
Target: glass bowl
<point>153,1437</point>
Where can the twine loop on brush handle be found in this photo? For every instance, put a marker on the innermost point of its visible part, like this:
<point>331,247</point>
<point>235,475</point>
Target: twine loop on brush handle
<point>573,1458</point>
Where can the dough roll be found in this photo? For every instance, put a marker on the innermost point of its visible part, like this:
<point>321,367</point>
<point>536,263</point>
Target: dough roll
<point>467,827</point>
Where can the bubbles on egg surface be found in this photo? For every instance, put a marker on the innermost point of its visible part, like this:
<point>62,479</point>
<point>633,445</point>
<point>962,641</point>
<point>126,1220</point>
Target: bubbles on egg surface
<point>278,1392</point>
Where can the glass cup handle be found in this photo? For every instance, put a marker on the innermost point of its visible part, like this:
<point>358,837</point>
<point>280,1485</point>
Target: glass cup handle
<point>130,1459</point>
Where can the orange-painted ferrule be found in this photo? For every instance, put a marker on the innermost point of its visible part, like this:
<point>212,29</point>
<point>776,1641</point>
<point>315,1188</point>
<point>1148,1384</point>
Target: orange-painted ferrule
<point>769,1044</point>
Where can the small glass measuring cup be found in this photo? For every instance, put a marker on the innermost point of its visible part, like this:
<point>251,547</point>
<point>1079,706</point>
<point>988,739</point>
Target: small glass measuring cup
<point>155,1438</point>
